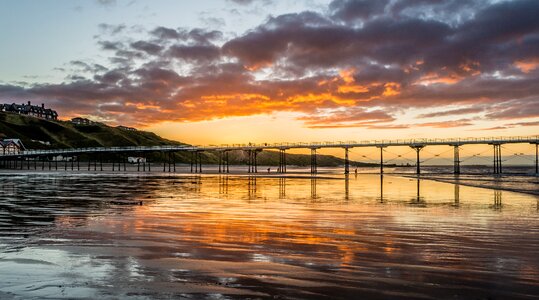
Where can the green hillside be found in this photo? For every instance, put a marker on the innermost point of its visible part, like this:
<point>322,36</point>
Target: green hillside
<point>37,133</point>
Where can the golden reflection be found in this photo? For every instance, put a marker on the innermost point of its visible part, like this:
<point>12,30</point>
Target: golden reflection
<point>282,187</point>
<point>381,188</point>
<point>220,227</point>
<point>457,195</point>
<point>251,187</point>
<point>314,196</point>
<point>223,185</point>
<point>346,187</point>
<point>418,200</point>
<point>497,200</point>
<point>196,182</point>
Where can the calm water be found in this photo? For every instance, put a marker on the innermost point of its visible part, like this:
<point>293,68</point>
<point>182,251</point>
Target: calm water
<point>218,237</point>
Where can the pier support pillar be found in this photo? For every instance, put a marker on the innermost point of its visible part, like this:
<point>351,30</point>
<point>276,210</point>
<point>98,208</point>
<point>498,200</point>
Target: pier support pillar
<point>417,149</point>
<point>346,161</point>
<point>220,156</point>
<point>252,161</point>
<point>223,162</point>
<point>199,155</point>
<point>497,158</point>
<point>165,161</point>
<point>196,162</point>
<point>314,162</point>
<point>192,160</point>
<point>536,158</point>
<point>456,159</point>
<point>282,161</point>
<point>381,159</point>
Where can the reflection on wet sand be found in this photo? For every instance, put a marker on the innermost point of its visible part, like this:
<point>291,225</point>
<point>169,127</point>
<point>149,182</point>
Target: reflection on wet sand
<point>457,194</point>
<point>282,187</point>
<point>213,237</point>
<point>314,195</point>
<point>497,200</point>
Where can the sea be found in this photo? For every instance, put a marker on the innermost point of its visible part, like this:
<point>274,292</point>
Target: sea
<point>177,235</point>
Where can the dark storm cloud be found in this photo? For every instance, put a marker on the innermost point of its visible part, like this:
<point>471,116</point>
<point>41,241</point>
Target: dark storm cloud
<point>350,10</point>
<point>147,47</point>
<point>198,53</point>
<point>358,64</point>
<point>249,2</point>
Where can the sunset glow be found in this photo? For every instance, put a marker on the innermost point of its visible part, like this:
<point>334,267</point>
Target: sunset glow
<point>294,71</point>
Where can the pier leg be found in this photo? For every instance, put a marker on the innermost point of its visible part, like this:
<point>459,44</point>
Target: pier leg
<point>192,158</point>
<point>417,149</point>
<point>536,159</point>
<point>227,162</point>
<point>164,162</point>
<point>314,163</point>
<point>220,156</point>
<point>256,161</point>
<point>282,161</point>
<point>346,161</point>
<point>456,159</point>
<point>381,160</point>
<point>249,160</point>
<point>497,158</point>
<point>199,162</point>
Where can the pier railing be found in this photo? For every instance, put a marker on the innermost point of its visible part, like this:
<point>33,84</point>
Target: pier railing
<point>280,146</point>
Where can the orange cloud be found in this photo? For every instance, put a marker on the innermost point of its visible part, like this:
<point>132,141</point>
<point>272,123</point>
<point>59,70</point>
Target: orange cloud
<point>391,89</point>
<point>527,65</point>
<point>347,75</point>
<point>433,78</point>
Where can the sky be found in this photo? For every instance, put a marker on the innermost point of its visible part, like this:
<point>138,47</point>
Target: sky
<point>239,71</point>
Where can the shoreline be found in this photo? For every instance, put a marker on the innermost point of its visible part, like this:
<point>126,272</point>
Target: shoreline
<point>496,185</point>
<point>528,184</point>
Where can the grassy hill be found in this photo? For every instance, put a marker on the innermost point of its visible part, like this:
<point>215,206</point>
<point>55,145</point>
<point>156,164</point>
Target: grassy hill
<point>37,133</point>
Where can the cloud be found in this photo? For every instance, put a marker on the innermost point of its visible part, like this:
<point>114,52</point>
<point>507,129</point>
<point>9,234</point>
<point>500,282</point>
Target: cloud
<point>106,2</point>
<point>350,10</point>
<point>356,64</point>
<point>459,111</point>
<point>249,2</point>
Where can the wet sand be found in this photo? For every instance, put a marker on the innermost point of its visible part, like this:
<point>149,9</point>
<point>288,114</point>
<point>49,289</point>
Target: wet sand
<point>161,236</point>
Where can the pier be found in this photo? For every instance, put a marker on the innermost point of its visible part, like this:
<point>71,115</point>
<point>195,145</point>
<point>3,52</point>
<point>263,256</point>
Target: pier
<point>29,159</point>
